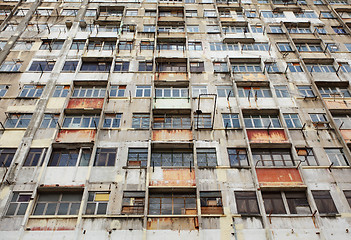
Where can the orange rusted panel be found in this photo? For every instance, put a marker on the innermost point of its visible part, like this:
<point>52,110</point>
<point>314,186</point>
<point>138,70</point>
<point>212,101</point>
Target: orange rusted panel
<point>76,135</point>
<point>81,103</point>
<point>172,76</point>
<point>346,134</point>
<point>338,104</point>
<point>211,210</point>
<point>51,224</point>
<point>172,135</point>
<point>175,177</point>
<point>279,177</point>
<point>254,77</point>
<point>174,224</point>
<point>267,136</point>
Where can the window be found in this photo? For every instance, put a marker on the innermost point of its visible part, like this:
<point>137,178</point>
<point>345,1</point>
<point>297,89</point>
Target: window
<point>146,45</point>
<point>343,121</point>
<point>97,203</point>
<point>145,66</point>
<point>238,157</point>
<point>70,66</point>
<point>244,68</point>
<point>121,66</point>
<point>296,203</point>
<point>170,29</point>
<point>131,12</point>
<point>206,157</point>
<point>334,92</point>
<point>106,28</point>
<point>284,47</point>
<point>133,203</point>
<point>197,67</point>
<point>220,67</point>
<point>58,203</point>
<point>257,29</point>
<point>219,46</point>
<point>69,12</point>
<point>3,90</point>
<point>90,13</point>
<point>172,121</point>
<point>234,29</point>
<point>109,45</point>
<point>51,45</point>
<point>327,15</point>
<point>173,13</point>
<point>172,158</point>
<point>137,157</point>
<point>193,28</point>
<point>149,28</point>
<point>94,45</point>
<point>318,2</point>
<point>210,13</point>
<point>255,92</point>
<point>117,90</point>
<point>270,14</point>
<point>276,29</point>
<point>171,46</point>
<point>95,66</point>
<point>150,13</point>
<point>211,202</point>
<point>10,66</point>
<point>172,203</point>
<point>305,14</point>
<point>110,11</point>
<point>231,120</point>
<point>18,204</point>
<point>34,156</point>
<point>49,121</point>
<point>225,91</point>
<point>272,157</point>
<point>308,47</point>
<point>81,121</point>
<point>78,45</point>
<point>20,12</point>
<point>306,91</point>
<point>141,121</point>
<point>105,157</point>
<point>172,92</point>
<point>143,91</point>
<point>348,46</point>
<point>306,156</point>
<point>348,196</point>
<point>89,92</point>
<point>203,120</point>
<point>339,30</point>
<point>332,47</point>
<point>69,157</point>
<point>191,13</point>
<point>250,13</point>
<point>255,47</point>
<point>197,90</point>
<point>6,156</point>
<point>10,27</point>
<point>261,121</point>
<point>112,120</point>
<point>345,67</point>
<point>299,30</point>
<point>42,66</point>
<point>31,91</point>
<point>22,45</point>
<point>324,202</point>
<point>318,118</point>
<point>282,91</point>
<point>320,30</point>
<point>336,156</point>
<point>271,67</point>
<point>295,67</point>
<point>18,120</point>
<point>122,45</point>
<point>61,91</point>
<point>246,202</point>
<point>292,120</point>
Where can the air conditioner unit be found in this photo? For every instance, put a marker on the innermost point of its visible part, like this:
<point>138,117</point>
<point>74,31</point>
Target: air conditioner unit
<point>82,24</point>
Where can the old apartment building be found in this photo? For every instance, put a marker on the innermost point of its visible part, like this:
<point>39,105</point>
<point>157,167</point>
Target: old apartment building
<point>175,119</point>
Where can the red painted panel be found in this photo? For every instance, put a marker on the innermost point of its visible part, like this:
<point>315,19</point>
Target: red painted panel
<point>279,177</point>
<point>81,103</point>
<point>267,136</point>
<point>76,135</point>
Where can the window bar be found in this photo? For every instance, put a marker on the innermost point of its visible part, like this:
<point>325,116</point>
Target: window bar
<point>269,125</point>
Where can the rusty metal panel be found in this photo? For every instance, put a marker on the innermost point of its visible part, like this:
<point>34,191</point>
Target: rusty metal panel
<point>267,136</point>
<point>172,135</point>
<point>279,177</point>
<point>212,210</point>
<point>51,224</point>
<point>251,77</point>
<point>338,104</point>
<point>174,224</point>
<point>82,103</point>
<point>175,177</point>
<point>346,134</point>
<point>76,135</point>
<point>172,76</point>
